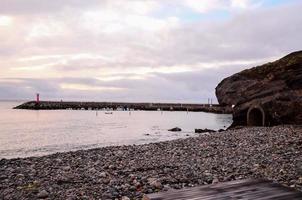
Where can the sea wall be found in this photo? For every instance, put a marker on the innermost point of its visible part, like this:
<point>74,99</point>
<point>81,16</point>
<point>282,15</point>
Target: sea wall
<point>60,105</point>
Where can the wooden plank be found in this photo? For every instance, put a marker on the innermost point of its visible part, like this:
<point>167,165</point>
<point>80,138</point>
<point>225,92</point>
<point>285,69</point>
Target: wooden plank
<point>247,189</point>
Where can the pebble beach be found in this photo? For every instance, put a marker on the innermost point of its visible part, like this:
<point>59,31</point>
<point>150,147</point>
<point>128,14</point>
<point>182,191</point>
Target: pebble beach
<point>130,172</point>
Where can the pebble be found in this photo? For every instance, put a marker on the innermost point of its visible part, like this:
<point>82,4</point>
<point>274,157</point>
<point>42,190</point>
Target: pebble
<point>43,194</point>
<point>103,174</point>
<point>20,176</point>
<point>66,168</point>
<point>215,180</point>
<point>156,184</point>
<point>129,172</point>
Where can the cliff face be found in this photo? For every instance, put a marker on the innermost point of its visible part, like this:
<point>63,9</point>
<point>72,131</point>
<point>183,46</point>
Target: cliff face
<point>270,94</point>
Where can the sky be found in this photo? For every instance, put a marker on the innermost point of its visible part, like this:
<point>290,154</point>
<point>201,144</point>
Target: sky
<point>138,50</point>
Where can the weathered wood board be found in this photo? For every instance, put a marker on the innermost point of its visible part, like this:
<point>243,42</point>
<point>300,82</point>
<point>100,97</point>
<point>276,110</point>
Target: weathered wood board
<point>241,189</point>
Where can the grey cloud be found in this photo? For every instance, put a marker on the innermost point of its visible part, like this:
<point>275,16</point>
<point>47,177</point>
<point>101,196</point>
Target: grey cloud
<point>24,88</point>
<point>247,36</point>
<point>251,35</point>
<point>18,7</point>
<point>10,91</point>
<point>256,34</point>
<point>183,87</point>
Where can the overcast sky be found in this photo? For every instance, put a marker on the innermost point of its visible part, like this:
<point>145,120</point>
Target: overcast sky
<point>138,50</point>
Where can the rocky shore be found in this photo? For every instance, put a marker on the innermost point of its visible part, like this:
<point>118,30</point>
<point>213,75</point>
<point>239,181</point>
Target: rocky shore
<point>129,172</point>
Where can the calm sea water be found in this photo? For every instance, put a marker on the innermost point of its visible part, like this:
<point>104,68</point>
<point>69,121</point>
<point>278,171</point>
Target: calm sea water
<point>26,133</point>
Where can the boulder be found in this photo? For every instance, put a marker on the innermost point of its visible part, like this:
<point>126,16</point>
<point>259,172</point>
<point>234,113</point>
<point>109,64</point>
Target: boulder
<point>266,95</point>
<point>204,131</point>
<point>176,129</point>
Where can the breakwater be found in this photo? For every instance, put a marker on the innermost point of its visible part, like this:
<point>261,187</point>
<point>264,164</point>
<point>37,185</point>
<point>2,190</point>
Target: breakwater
<point>61,105</point>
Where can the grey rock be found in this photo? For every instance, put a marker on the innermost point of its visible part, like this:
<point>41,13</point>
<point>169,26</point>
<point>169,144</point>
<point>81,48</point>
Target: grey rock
<point>204,130</point>
<point>66,168</point>
<point>156,184</point>
<point>20,176</point>
<point>103,175</point>
<point>176,129</point>
<point>42,194</point>
<point>215,180</point>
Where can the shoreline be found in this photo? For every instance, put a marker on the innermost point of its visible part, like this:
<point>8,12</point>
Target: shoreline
<point>113,172</point>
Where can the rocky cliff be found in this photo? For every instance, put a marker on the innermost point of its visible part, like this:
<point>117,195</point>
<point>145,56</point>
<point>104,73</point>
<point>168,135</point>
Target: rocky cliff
<point>268,95</point>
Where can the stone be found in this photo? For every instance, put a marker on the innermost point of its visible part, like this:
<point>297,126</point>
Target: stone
<point>42,194</point>
<point>106,181</point>
<point>103,175</point>
<point>112,167</point>
<point>215,180</point>
<point>208,174</point>
<point>150,180</point>
<point>266,95</point>
<point>272,153</point>
<point>204,131</point>
<point>66,168</point>
<point>166,188</point>
<point>156,184</point>
<point>119,153</point>
<point>20,176</point>
<point>145,197</point>
<point>176,129</point>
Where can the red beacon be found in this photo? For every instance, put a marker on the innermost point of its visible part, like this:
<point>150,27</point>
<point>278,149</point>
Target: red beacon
<point>38,98</point>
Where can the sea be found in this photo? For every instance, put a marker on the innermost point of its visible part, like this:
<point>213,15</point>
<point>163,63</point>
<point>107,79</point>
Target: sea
<point>26,133</point>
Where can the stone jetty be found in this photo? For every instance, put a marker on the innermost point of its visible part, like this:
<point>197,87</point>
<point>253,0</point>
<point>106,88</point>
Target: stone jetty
<point>60,105</point>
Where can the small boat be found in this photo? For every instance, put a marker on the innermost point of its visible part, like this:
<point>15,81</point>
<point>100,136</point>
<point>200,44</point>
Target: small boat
<point>108,113</point>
